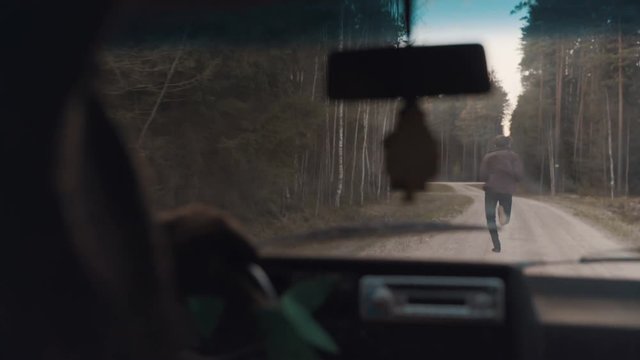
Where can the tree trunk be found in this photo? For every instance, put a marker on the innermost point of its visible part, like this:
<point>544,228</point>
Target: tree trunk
<point>385,119</point>
<point>578,126</point>
<point>552,168</point>
<point>340,154</point>
<point>333,142</point>
<point>369,184</point>
<point>557,145</point>
<point>172,69</point>
<point>626,172</point>
<point>340,126</point>
<point>319,170</point>
<point>355,154</point>
<point>326,175</point>
<point>464,160</point>
<point>605,180</point>
<point>315,79</point>
<point>296,176</point>
<point>541,125</point>
<point>446,159</point>
<point>442,163</point>
<point>590,142</point>
<point>581,134</point>
<point>365,130</point>
<point>303,176</point>
<point>542,163</point>
<point>612,180</point>
<point>319,178</point>
<point>620,110</point>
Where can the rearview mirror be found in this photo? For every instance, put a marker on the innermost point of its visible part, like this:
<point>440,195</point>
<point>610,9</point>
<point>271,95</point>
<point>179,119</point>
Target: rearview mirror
<point>408,72</point>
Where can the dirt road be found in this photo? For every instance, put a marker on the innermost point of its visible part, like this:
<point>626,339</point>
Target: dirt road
<point>538,231</point>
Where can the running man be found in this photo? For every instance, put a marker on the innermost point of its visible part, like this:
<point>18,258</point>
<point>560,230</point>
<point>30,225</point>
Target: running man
<point>501,171</point>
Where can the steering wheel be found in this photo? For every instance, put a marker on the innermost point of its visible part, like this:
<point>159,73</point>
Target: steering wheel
<point>212,258</point>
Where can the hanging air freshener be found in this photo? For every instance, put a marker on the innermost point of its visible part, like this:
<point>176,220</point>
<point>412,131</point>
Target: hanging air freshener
<point>411,153</point>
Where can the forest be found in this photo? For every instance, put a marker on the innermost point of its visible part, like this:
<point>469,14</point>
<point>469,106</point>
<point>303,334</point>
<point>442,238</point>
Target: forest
<point>239,119</point>
<point>577,119</point>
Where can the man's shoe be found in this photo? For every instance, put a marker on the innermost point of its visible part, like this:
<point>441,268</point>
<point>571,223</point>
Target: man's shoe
<point>503,219</point>
<point>496,249</point>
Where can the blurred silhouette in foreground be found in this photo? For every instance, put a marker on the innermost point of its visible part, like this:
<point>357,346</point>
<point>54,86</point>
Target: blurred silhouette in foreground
<point>86,271</point>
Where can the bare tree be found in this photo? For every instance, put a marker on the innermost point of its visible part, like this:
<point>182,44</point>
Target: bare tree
<point>557,136</point>
<point>355,153</point>
<point>620,109</point>
<point>172,69</point>
<point>365,130</point>
<point>541,120</point>
<point>340,183</point>
<point>315,79</point>
<point>612,179</point>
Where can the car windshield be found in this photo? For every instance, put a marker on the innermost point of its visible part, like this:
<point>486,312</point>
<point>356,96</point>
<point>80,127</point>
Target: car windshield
<point>227,106</point>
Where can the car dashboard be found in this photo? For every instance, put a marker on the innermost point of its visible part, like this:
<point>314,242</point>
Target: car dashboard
<point>382,309</point>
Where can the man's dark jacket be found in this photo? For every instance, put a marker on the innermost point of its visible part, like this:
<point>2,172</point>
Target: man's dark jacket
<point>501,170</point>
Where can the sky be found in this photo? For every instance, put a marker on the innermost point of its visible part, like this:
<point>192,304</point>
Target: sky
<point>487,22</point>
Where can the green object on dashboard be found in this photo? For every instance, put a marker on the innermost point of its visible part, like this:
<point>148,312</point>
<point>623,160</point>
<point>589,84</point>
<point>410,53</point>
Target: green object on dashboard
<point>288,327</point>
<point>206,311</point>
<point>291,330</point>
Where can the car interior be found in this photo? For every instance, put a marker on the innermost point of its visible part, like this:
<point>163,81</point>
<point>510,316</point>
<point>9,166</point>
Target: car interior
<point>91,270</point>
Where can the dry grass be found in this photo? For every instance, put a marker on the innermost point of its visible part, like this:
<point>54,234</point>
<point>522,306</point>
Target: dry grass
<point>620,216</point>
<point>439,188</point>
<point>438,204</point>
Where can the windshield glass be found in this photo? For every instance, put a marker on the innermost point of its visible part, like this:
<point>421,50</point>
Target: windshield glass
<point>227,107</point>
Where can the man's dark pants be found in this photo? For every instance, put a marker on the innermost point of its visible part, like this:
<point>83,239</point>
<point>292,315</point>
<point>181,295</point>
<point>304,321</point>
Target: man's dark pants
<point>491,201</point>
